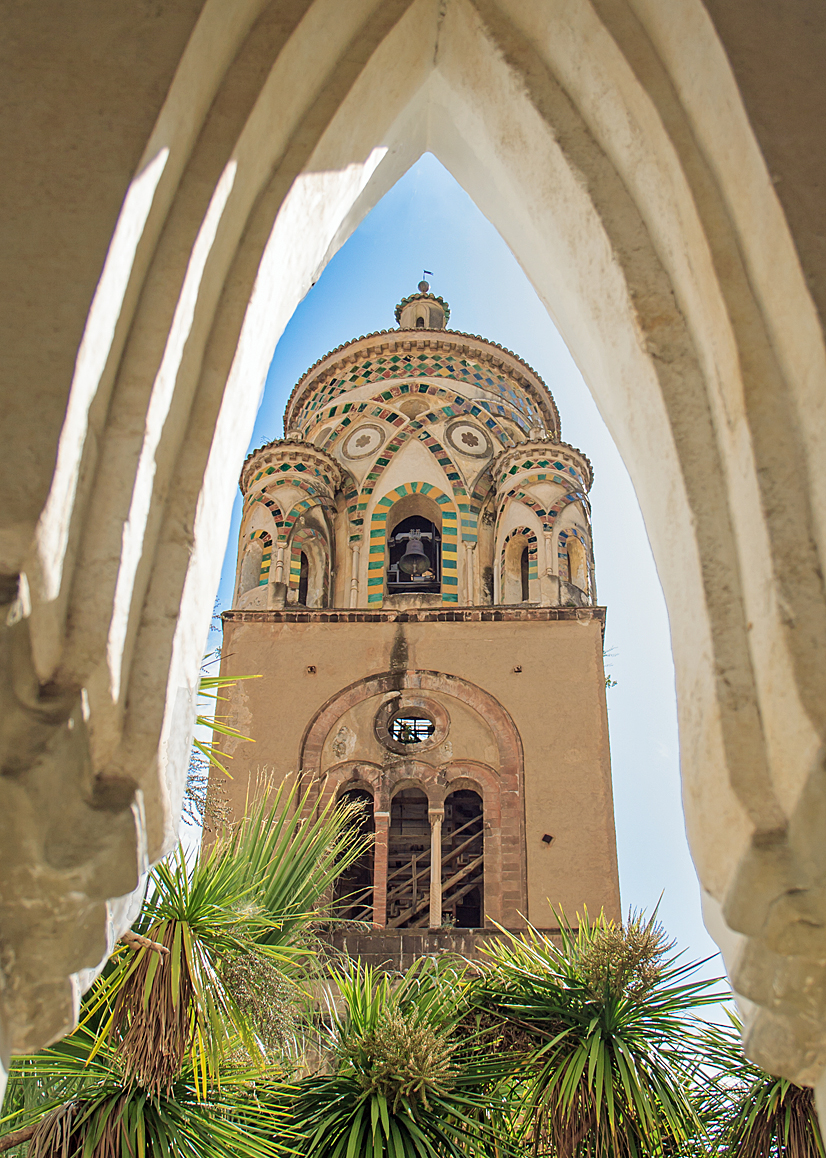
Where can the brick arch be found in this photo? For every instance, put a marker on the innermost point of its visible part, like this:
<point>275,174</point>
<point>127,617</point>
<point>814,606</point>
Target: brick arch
<point>361,410</point>
<point>548,516</point>
<point>520,496</point>
<point>508,856</point>
<point>533,543</point>
<point>303,505</point>
<point>378,539</point>
<point>349,774</point>
<point>458,406</point>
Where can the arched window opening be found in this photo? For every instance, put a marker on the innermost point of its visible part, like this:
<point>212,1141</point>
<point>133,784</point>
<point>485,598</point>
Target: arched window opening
<point>408,861</point>
<point>415,557</point>
<point>463,861</point>
<point>518,562</point>
<point>303,579</point>
<point>420,323</point>
<point>251,567</point>
<point>523,574</point>
<point>354,888</point>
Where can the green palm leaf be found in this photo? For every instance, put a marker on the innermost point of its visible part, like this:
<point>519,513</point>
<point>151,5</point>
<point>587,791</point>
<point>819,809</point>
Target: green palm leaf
<point>101,1114</point>
<point>405,1081</point>
<point>607,1011</point>
<point>747,1112</point>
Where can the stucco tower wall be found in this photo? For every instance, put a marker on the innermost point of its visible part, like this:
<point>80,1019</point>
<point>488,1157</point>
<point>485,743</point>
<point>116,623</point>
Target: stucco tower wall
<point>556,703</point>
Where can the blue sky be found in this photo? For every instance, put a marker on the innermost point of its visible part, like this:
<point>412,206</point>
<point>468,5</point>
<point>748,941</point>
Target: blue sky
<point>428,222</point>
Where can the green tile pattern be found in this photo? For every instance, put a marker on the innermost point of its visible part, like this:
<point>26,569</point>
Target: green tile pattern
<point>378,538</point>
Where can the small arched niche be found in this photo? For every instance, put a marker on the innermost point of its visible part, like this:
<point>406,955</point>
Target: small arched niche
<point>577,563</point>
<point>519,553</point>
<point>250,573</point>
<point>354,888</point>
<point>309,566</point>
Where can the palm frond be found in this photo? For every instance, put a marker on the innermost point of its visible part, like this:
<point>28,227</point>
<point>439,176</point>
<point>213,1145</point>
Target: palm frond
<point>254,894</point>
<point>607,1009</point>
<point>209,688</point>
<point>405,1083</point>
<point>750,1113</point>
<point>107,1117</point>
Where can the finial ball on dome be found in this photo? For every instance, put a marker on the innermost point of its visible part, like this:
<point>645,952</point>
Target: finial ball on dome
<point>424,286</point>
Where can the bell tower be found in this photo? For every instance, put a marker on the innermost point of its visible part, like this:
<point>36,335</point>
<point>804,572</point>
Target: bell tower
<point>416,584</point>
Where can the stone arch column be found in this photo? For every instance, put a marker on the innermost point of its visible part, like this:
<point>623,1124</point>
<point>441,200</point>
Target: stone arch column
<point>697,321</point>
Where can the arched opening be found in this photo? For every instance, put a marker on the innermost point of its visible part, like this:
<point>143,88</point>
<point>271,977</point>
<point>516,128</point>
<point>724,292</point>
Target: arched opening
<point>518,553</point>
<point>251,567</point>
<point>523,574</point>
<point>420,323</point>
<point>695,237</point>
<point>309,566</point>
<point>463,860</point>
<point>408,861</point>
<point>415,557</point>
<point>303,579</point>
<point>354,888</point>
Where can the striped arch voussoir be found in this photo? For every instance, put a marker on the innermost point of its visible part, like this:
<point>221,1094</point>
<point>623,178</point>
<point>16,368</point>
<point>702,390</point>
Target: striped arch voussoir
<point>266,557</point>
<point>533,568</point>
<point>274,509</point>
<point>302,506</point>
<point>378,541</point>
<point>301,538</point>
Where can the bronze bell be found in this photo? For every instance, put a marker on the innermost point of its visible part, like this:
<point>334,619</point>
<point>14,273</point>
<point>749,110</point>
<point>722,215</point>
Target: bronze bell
<point>414,561</point>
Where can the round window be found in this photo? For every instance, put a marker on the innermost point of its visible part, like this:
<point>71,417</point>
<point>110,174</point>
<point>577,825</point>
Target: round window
<point>407,729</point>
<point>408,724</point>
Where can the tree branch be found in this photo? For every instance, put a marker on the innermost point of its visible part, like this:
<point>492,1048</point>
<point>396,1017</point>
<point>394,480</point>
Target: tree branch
<point>16,1137</point>
<point>136,941</point>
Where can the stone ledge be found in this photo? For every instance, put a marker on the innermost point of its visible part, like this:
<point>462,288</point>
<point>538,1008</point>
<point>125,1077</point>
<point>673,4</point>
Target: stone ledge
<point>399,948</point>
<point>419,615</point>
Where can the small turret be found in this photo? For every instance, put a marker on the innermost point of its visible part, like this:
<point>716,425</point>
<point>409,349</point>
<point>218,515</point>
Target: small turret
<point>422,310</point>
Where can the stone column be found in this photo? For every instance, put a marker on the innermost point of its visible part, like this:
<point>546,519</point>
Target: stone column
<point>382,832</point>
<point>277,591</point>
<point>469,556</point>
<point>436,816</point>
<point>547,595</point>
<point>354,573</point>
<point>279,564</point>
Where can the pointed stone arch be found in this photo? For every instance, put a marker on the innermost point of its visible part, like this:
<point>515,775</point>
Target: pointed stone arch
<point>698,333</point>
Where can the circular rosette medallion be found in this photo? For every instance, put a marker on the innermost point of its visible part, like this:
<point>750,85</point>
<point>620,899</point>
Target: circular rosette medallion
<point>468,438</point>
<point>364,441</point>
